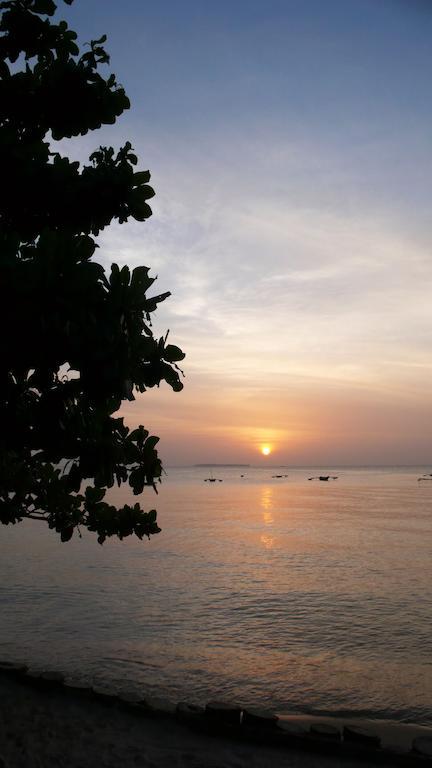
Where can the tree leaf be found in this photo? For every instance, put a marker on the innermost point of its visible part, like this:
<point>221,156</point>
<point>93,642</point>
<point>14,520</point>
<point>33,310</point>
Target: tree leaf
<point>141,177</point>
<point>45,7</point>
<point>173,354</point>
<point>67,533</point>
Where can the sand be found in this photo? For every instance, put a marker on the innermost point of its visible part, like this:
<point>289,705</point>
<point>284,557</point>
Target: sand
<point>41,729</point>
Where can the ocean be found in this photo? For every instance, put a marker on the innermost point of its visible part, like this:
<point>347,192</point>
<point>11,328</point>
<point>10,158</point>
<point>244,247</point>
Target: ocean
<point>295,595</point>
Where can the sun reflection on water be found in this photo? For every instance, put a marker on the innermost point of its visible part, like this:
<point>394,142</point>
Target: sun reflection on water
<point>268,519</point>
<point>268,541</point>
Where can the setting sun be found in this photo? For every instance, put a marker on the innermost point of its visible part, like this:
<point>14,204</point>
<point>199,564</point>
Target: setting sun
<point>265,450</point>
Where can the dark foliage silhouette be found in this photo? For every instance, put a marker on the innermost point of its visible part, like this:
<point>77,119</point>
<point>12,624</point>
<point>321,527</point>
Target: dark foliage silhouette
<point>76,341</point>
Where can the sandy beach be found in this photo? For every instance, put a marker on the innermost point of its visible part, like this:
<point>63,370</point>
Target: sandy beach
<point>40,729</point>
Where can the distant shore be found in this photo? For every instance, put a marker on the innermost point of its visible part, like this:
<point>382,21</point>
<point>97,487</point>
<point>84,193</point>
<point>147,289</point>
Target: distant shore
<point>234,466</point>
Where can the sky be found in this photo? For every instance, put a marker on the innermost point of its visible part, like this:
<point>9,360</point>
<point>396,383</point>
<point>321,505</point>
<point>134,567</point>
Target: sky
<point>290,146</point>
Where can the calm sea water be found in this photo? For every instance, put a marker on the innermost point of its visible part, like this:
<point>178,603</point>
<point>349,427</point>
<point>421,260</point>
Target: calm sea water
<point>301,596</point>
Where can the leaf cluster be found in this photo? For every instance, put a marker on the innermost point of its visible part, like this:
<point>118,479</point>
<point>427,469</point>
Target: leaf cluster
<point>76,340</point>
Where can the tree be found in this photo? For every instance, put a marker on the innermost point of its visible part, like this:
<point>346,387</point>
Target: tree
<point>76,341</point>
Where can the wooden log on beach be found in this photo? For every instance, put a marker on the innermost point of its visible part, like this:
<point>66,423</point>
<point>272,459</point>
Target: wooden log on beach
<point>44,679</point>
<point>188,713</point>
<point>259,718</point>
<point>357,735</point>
<point>422,745</point>
<point>105,695</point>
<point>325,731</point>
<point>159,707</point>
<point>78,687</point>
<point>13,669</point>
<point>223,712</point>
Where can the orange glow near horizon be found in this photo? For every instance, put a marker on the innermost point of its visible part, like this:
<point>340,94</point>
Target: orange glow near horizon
<point>334,425</point>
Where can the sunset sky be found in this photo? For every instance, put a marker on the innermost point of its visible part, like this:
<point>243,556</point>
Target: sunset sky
<point>290,145</point>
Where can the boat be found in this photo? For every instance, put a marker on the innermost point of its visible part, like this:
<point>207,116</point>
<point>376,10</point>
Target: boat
<point>212,479</point>
<point>324,478</point>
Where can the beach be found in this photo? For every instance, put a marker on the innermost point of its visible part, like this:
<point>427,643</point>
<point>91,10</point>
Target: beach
<point>51,728</point>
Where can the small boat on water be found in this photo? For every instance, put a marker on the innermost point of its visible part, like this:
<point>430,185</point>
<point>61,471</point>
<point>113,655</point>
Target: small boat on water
<point>212,479</point>
<point>324,478</point>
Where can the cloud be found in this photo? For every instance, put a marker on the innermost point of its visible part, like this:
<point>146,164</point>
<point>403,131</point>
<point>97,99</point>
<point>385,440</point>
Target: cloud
<point>260,283</point>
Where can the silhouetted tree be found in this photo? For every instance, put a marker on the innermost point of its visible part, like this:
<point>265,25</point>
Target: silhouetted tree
<point>76,341</point>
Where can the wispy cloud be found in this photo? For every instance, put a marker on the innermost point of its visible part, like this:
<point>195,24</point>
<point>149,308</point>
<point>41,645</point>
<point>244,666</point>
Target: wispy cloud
<point>262,286</point>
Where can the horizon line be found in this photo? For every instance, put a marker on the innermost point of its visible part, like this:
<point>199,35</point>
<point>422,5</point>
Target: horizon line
<point>298,466</point>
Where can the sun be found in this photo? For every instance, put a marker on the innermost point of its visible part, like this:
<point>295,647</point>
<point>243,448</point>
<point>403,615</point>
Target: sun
<point>265,450</point>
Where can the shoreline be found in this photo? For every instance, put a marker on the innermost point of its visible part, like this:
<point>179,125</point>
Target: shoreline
<point>44,723</point>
